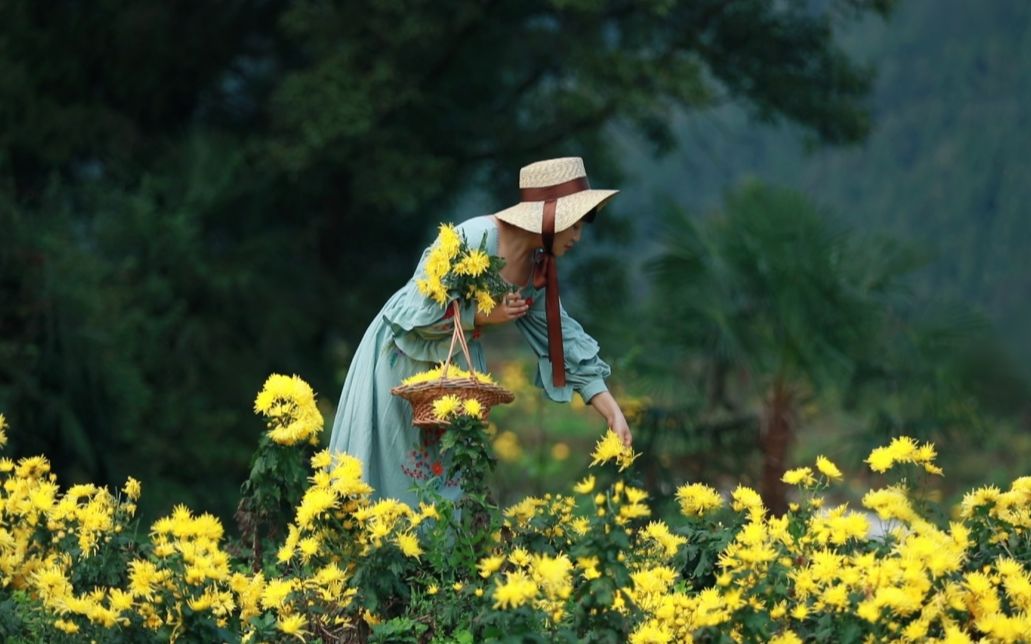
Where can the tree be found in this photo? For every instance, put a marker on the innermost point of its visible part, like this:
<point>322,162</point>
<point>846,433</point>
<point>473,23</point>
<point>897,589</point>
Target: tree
<point>782,305</point>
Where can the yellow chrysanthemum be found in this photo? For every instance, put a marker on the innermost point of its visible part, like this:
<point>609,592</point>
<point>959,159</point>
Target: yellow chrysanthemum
<point>982,496</point>
<point>472,407</point>
<point>473,264</point>
<point>52,584</point>
<point>119,599</point>
<point>449,240</point>
<point>652,631</point>
<point>589,566</point>
<point>489,565</point>
<point>611,447</point>
<point>903,449</point>
<point>586,486</point>
<point>517,590</point>
<point>666,540</point>
<point>446,406</point>
<point>454,371</point>
<point>827,468</point>
<point>654,580</point>
<point>437,264</point>
<point>890,503</point>
<point>433,289</point>
<point>553,575</point>
<point>745,498</point>
<point>799,476</point>
<point>289,405</point>
<point>786,637</point>
<point>956,635</point>
<point>273,597</point>
<point>144,577</point>
<point>520,557</point>
<point>409,545</point>
<point>880,459</point>
<point>32,467</point>
<point>286,551</point>
<point>632,511</point>
<point>838,526</point>
<point>315,503</point>
<point>321,459</point>
<point>696,499</point>
<point>309,547</point>
<point>292,625</point>
<point>132,488</point>
<point>485,302</point>
<point>580,526</point>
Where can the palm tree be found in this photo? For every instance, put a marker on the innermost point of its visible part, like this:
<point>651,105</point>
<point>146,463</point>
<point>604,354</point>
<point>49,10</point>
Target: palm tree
<point>780,304</point>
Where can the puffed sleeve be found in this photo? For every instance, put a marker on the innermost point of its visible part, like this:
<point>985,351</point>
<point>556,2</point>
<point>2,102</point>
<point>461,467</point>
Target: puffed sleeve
<point>585,371</point>
<point>421,327</point>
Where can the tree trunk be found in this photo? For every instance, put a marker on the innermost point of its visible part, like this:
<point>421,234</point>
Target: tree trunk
<point>776,432</point>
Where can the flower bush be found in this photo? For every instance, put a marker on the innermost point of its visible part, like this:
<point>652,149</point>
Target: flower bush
<point>279,468</point>
<point>593,564</point>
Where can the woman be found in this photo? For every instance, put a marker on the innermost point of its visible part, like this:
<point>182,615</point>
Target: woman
<point>412,333</point>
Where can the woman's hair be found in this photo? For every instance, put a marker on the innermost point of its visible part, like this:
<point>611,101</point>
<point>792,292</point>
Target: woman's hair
<point>591,214</point>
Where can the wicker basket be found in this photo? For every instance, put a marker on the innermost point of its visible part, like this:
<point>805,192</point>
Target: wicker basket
<point>421,395</point>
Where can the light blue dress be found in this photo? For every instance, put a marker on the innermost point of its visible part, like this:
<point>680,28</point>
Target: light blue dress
<point>411,335</point>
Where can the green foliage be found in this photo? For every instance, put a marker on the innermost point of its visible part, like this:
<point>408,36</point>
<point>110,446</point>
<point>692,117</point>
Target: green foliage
<point>941,168</point>
<point>269,496</point>
<point>18,622</point>
<point>471,455</point>
<point>397,630</point>
<point>772,316</point>
<point>773,286</point>
<point>182,187</point>
<point>467,526</point>
<point>774,295</point>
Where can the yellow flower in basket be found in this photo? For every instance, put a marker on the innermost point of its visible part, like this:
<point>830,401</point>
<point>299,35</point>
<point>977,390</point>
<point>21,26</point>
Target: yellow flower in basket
<point>453,371</point>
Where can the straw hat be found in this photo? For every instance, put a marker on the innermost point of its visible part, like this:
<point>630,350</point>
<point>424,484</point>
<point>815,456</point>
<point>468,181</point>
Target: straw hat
<point>565,181</point>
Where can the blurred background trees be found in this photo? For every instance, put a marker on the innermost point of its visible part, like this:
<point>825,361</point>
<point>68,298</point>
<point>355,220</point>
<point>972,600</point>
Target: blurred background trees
<point>194,195</point>
<point>779,316</point>
<point>775,305</point>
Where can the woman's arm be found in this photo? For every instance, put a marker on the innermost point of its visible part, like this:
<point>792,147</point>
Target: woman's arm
<point>609,409</point>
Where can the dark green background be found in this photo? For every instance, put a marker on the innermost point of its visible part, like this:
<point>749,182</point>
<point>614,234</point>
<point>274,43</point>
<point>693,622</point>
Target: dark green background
<point>194,195</point>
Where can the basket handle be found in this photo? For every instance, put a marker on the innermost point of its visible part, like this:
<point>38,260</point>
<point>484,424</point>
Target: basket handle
<point>457,335</point>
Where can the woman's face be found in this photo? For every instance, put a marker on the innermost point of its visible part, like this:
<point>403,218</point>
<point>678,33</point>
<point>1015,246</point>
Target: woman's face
<point>565,240</point>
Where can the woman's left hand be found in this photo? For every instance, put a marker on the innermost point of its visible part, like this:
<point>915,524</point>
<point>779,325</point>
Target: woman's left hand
<point>609,409</point>
<point>622,429</point>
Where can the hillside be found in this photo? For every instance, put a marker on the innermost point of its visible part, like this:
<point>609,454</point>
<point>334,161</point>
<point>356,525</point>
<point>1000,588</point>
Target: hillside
<point>946,166</point>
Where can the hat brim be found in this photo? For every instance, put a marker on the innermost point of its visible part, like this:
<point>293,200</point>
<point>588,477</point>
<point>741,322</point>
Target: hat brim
<point>529,215</point>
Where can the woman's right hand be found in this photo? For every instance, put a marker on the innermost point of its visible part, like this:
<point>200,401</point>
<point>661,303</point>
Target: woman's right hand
<point>510,308</point>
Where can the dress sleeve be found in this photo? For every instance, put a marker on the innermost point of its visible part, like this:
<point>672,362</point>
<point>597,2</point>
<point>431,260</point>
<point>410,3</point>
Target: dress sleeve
<point>585,371</point>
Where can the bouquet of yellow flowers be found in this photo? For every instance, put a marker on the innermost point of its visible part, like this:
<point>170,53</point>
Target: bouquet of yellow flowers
<point>455,271</point>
